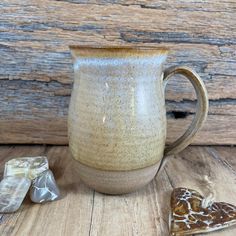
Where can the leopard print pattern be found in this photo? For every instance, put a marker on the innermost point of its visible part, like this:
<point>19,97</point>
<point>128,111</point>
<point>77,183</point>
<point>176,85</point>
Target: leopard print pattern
<point>188,216</point>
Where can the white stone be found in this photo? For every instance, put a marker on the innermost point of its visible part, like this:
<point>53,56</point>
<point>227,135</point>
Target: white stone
<point>13,190</point>
<point>29,167</point>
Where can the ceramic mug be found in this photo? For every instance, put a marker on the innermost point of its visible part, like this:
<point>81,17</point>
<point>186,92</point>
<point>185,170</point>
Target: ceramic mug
<point>117,115</point>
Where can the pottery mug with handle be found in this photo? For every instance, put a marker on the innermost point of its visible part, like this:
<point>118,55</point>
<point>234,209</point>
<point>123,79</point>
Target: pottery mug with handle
<point>117,115</point>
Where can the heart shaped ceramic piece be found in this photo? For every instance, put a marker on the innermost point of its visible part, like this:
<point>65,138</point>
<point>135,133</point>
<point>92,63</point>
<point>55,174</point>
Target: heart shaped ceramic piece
<point>189,217</point>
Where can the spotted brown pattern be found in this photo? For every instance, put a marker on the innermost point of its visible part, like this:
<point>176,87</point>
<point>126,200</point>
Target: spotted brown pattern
<point>189,217</point>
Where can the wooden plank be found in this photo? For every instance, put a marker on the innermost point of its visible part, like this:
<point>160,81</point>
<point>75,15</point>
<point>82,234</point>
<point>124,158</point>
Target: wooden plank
<point>82,211</point>
<point>212,130</point>
<point>36,68</point>
<point>34,131</point>
<point>144,212</point>
<point>225,155</point>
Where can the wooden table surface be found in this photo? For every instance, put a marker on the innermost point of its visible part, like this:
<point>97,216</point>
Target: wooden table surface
<point>82,211</point>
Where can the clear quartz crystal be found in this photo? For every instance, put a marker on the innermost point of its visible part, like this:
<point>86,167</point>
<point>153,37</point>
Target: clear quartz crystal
<point>29,167</point>
<point>44,188</point>
<point>13,190</point>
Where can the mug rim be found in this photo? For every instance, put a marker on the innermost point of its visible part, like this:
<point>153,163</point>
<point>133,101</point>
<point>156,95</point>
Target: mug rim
<point>117,50</point>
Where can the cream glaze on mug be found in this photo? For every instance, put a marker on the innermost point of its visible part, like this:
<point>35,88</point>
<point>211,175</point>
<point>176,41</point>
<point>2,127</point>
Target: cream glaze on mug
<point>117,116</point>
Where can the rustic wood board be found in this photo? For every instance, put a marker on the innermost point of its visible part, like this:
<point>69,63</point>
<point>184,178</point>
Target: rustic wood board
<point>36,68</point>
<point>83,212</point>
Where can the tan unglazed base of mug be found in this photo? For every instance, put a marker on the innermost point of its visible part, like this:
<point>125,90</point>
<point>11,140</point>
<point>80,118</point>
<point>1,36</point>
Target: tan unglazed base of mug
<point>116,182</point>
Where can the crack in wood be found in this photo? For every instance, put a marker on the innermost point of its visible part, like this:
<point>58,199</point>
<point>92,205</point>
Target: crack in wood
<point>91,219</point>
<point>112,2</point>
<point>161,5</point>
<point>171,182</point>
<point>217,157</point>
<point>44,26</point>
<point>220,100</point>
<point>52,82</point>
<point>178,114</point>
<point>135,36</point>
<point>1,218</point>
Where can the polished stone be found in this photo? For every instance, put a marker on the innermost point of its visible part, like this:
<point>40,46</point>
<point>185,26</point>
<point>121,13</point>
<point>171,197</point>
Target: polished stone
<point>44,188</point>
<point>13,190</point>
<point>29,167</point>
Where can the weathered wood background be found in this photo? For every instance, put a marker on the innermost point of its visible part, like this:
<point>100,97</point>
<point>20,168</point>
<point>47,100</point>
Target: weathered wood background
<point>36,68</point>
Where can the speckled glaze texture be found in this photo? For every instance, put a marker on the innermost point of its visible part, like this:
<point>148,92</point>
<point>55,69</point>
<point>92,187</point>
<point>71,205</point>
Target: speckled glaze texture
<point>117,115</point>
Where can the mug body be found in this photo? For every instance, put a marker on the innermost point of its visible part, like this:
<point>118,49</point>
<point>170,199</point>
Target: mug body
<point>117,117</point>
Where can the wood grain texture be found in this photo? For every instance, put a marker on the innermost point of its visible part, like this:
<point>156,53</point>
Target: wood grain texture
<point>83,212</point>
<point>36,68</point>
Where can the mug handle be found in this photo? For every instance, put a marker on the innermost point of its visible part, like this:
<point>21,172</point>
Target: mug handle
<point>202,107</point>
